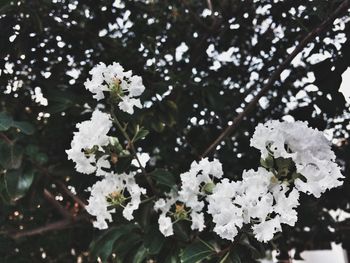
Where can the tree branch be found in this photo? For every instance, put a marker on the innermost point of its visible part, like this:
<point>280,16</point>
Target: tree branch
<point>59,225</point>
<point>66,191</point>
<point>310,36</point>
<point>5,138</point>
<point>51,199</point>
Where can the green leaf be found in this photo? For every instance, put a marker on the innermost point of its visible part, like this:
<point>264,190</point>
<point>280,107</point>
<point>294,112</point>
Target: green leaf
<point>14,184</point>
<point>171,106</point>
<point>171,259</point>
<point>158,126</point>
<point>256,248</point>
<point>18,183</point>
<point>142,133</point>
<point>5,121</point>
<point>163,177</point>
<point>125,247</point>
<point>154,241</point>
<point>235,257</point>
<point>60,100</point>
<point>102,247</point>
<point>56,107</point>
<point>4,195</point>
<point>11,156</point>
<point>181,232</point>
<point>196,252</point>
<point>225,258</point>
<point>24,127</point>
<point>140,255</point>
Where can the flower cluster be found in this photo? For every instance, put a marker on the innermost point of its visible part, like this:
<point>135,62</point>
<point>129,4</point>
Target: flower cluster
<point>122,85</point>
<point>306,147</point>
<point>188,202</point>
<point>113,191</point>
<point>264,199</point>
<point>93,150</point>
<point>259,200</point>
<point>294,157</point>
<point>90,138</point>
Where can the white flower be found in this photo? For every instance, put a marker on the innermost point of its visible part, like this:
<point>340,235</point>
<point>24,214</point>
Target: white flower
<point>194,185</point>
<point>259,199</point>
<point>106,78</point>
<point>102,164</point>
<point>227,216</point>
<point>197,221</point>
<point>127,104</point>
<point>307,147</point>
<point>165,225</point>
<point>285,205</point>
<point>194,181</point>
<point>113,188</point>
<point>254,196</point>
<point>91,134</point>
<point>164,206</point>
<point>265,230</point>
<point>143,158</point>
<point>96,85</point>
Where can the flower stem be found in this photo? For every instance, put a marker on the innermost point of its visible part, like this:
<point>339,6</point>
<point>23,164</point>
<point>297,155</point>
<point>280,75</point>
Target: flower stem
<point>133,150</point>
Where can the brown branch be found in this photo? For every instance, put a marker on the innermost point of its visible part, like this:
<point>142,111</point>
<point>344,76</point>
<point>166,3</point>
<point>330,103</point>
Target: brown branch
<point>310,36</point>
<point>59,225</point>
<point>210,5</point>
<point>5,138</point>
<point>51,199</point>
<point>66,191</point>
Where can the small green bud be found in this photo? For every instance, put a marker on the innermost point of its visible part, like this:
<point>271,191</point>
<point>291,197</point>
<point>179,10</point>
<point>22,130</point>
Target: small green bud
<point>268,162</point>
<point>93,150</point>
<point>208,188</point>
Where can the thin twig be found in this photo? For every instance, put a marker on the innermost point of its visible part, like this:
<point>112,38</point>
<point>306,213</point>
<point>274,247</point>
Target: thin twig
<point>310,36</point>
<point>5,138</point>
<point>210,5</point>
<point>133,150</point>
<point>77,199</point>
<point>51,199</point>
<point>59,225</point>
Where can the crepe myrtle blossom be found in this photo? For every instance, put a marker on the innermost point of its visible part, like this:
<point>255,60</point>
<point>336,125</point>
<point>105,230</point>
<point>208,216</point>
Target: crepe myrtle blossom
<point>227,216</point>
<point>259,199</point>
<point>164,205</point>
<point>308,148</point>
<point>90,138</point>
<point>115,190</point>
<point>195,184</point>
<point>186,203</point>
<point>122,85</point>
